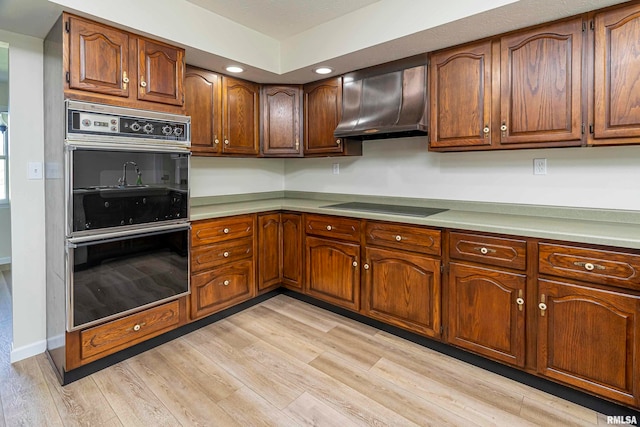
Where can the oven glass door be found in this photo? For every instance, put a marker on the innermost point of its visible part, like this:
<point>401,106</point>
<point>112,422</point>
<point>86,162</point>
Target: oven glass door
<point>114,276</point>
<point>111,188</point>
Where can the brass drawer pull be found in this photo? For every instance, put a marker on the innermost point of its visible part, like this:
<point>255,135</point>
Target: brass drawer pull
<point>329,228</point>
<point>398,237</point>
<point>138,326</point>
<point>589,266</point>
<point>226,282</point>
<point>485,251</point>
<point>225,231</point>
<point>226,254</point>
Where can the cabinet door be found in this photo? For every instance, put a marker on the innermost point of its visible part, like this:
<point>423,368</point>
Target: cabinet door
<point>333,271</point>
<point>281,121</point>
<point>269,251</point>
<point>161,72</point>
<point>203,103</point>
<point>292,251</point>
<point>588,338</point>
<point>541,92</point>
<point>617,74</point>
<point>240,116</point>
<point>403,289</point>
<point>486,312</point>
<point>461,97</point>
<point>98,58</point>
<point>322,113</point>
<point>217,289</point>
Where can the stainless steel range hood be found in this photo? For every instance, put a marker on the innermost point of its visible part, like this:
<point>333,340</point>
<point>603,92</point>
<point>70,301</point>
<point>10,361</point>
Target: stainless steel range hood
<point>387,101</point>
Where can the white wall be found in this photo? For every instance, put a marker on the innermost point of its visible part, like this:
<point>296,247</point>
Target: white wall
<point>596,177</point>
<point>26,143</point>
<point>5,235</point>
<point>215,176</point>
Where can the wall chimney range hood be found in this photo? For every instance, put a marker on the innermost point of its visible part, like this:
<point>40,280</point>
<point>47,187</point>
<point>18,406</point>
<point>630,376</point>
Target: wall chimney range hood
<point>386,101</point>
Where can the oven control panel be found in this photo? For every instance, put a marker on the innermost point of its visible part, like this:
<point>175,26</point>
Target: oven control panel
<point>104,121</point>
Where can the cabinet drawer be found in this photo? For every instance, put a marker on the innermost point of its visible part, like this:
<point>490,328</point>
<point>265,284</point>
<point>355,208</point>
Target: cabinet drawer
<point>129,330</point>
<point>403,237</point>
<point>217,230</point>
<point>204,257</point>
<point>590,265</point>
<point>497,251</point>
<point>331,226</point>
<point>214,290</point>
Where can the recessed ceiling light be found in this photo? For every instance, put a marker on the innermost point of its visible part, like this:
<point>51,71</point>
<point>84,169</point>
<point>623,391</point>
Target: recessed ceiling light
<point>234,69</point>
<point>323,70</point>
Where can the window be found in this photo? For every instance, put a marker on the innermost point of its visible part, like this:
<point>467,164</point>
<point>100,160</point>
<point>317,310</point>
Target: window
<point>4,165</point>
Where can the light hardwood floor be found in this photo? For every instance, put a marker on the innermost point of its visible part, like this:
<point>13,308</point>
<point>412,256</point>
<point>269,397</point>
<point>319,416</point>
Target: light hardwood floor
<point>280,363</point>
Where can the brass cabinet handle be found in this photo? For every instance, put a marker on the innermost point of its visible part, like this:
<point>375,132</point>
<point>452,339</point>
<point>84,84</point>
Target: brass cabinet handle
<point>226,282</point>
<point>520,300</point>
<point>216,141</point>
<point>398,238</point>
<point>542,306</point>
<point>366,266</point>
<point>226,142</point>
<point>225,231</point>
<point>329,228</point>
<point>483,250</point>
<point>142,82</point>
<point>125,80</point>
<point>503,128</point>
<point>355,263</point>
<point>486,130</point>
<point>226,254</point>
<point>138,326</point>
<point>297,144</point>
<point>338,141</point>
<point>589,266</point>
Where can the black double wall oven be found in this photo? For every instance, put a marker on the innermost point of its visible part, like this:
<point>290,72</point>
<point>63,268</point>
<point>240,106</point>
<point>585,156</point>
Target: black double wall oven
<point>127,211</point>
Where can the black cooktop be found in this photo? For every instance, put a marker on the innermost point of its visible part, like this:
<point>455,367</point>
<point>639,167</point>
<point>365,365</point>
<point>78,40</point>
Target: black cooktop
<point>387,209</point>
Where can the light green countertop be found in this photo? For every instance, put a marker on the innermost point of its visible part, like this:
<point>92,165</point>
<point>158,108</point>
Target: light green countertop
<point>596,226</point>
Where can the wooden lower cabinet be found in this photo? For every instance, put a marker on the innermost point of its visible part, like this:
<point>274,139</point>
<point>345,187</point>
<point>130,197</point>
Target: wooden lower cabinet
<point>403,289</point>
<point>486,312</point>
<point>87,345</point>
<point>269,251</point>
<point>332,271</point>
<point>220,288</point>
<point>292,251</point>
<point>589,338</point>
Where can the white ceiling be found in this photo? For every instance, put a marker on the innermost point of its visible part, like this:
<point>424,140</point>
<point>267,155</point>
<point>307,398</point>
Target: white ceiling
<point>281,19</point>
<point>281,41</point>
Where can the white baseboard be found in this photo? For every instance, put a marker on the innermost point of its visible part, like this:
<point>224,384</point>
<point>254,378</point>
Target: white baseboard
<point>5,260</point>
<point>24,352</point>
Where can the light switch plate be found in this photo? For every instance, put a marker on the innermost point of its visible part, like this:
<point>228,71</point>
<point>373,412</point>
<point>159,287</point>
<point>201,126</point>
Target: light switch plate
<point>35,170</point>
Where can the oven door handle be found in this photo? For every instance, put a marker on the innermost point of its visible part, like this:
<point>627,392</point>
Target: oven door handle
<point>77,242</point>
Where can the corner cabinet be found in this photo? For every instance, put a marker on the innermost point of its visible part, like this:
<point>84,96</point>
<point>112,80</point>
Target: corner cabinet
<point>111,66</point>
<point>281,121</point>
<point>616,75</point>
<point>523,90</point>
<point>322,113</point>
<point>279,251</point>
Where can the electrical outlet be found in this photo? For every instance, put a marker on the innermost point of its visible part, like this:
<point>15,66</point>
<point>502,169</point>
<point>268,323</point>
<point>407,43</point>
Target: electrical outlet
<point>34,170</point>
<point>539,166</point>
<point>336,169</point>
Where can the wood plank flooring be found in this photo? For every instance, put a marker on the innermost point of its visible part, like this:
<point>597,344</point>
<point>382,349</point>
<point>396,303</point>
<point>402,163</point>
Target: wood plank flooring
<point>280,363</point>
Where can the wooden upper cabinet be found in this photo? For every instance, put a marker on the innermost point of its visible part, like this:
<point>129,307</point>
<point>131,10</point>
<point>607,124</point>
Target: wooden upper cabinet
<point>322,113</point>
<point>281,121</point>
<point>160,72</point>
<point>617,76</point>
<point>541,85</point>
<point>240,116</point>
<point>460,91</point>
<point>203,102</point>
<point>98,58</point>
<point>111,66</point>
